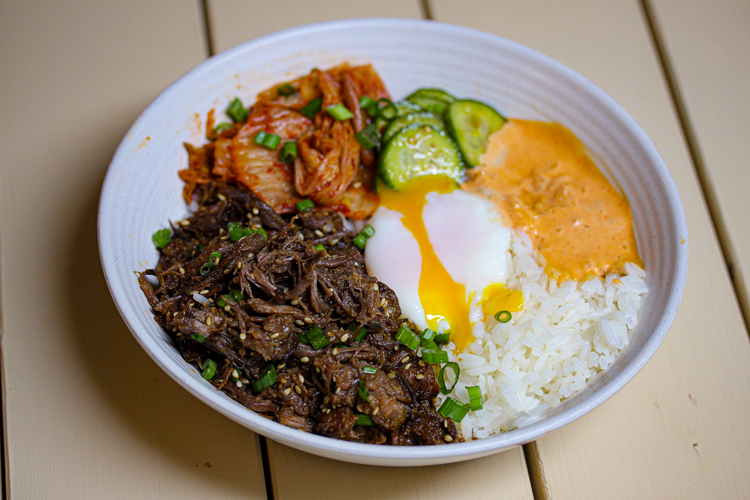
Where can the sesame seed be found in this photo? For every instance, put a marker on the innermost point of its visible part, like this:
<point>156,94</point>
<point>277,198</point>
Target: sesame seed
<point>383,302</point>
<point>204,292</point>
<point>235,280</point>
<point>275,335</point>
<point>335,351</point>
<point>395,348</point>
<point>295,302</point>
<point>334,241</point>
<point>287,391</point>
<point>326,400</point>
<point>376,410</point>
<point>405,359</point>
<point>243,336</point>
<point>359,409</point>
<point>182,270</point>
<point>185,222</point>
<point>338,389</point>
<point>301,236</point>
<point>281,366</point>
<point>216,262</point>
<point>209,322</point>
<point>447,438</point>
<point>224,238</point>
<point>421,363</point>
<point>250,255</point>
<point>308,320</point>
<point>221,197</point>
<point>245,381</point>
<point>249,216</point>
<point>226,271</point>
<point>328,410</point>
<point>357,185</point>
<point>301,379</point>
<point>345,337</point>
<point>239,384</point>
<point>299,322</point>
<point>297,389</point>
<point>305,359</point>
<point>318,233</point>
<point>239,265</point>
<point>176,314</point>
<point>227,308</point>
<point>374,286</point>
<point>445,423</point>
<point>256,211</point>
<point>392,375</point>
<point>419,376</point>
<point>407,366</point>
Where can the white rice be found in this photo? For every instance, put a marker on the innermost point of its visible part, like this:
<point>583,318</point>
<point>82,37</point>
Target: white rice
<point>550,350</point>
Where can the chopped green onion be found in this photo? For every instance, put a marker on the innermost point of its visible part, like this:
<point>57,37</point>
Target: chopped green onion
<point>443,338</point>
<point>198,337</point>
<point>235,230</point>
<point>213,259</point>
<point>387,109</point>
<point>288,152</point>
<point>303,338</point>
<point>428,334</point>
<point>363,393</point>
<point>370,105</point>
<point>320,248</point>
<point>503,316</point>
<point>368,231</point>
<point>235,294</point>
<point>363,419</point>
<point>361,332</point>
<point>311,108</point>
<point>266,380</point>
<point>285,90</point>
<point>339,112</point>
<point>262,232</point>
<point>316,337</point>
<point>161,237</point>
<point>360,241</point>
<point>221,303</point>
<point>475,397</point>
<point>369,369</point>
<point>305,205</point>
<point>441,377</point>
<point>222,127</point>
<point>429,344</point>
<point>407,337</point>
<point>271,141</point>
<point>434,357</point>
<point>209,369</point>
<point>260,137</point>
<point>236,111</point>
<point>248,231</point>
<point>353,327</point>
<point>453,409</point>
<point>368,136</point>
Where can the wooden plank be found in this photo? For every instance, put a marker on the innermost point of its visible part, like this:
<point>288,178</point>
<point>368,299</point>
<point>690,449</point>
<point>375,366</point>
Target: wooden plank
<point>678,430</point>
<point>88,414</point>
<point>491,477</point>
<point>707,45</point>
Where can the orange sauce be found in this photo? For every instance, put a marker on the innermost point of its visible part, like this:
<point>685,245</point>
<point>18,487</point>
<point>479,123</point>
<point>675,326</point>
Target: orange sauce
<point>540,176</point>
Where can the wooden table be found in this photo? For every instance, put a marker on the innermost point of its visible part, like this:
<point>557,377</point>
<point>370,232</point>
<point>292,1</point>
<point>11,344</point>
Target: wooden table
<point>88,415</point>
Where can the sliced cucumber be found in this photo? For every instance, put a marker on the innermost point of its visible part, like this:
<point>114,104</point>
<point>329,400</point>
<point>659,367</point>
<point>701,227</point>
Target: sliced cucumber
<point>470,123</point>
<point>432,100</point>
<point>403,108</point>
<point>419,150</point>
<point>423,118</point>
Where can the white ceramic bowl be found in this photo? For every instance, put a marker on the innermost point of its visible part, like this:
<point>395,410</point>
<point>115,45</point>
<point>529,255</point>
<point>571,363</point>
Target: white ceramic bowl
<point>142,192</point>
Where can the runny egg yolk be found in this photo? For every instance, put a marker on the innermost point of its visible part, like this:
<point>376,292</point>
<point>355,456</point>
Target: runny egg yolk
<point>442,298</point>
<point>497,298</point>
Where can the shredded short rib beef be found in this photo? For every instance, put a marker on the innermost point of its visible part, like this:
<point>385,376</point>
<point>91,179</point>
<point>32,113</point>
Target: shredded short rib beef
<point>288,286</point>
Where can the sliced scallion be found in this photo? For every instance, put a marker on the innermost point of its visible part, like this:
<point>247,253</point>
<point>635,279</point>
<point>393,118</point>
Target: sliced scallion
<point>360,241</point>
<point>434,357</point>
<point>429,344</point>
<point>316,337</point>
<point>368,231</point>
<point>453,409</point>
<point>503,316</point>
<point>363,393</point>
<point>428,334</point>
<point>311,108</point>
<point>260,137</point>
<point>221,303</point>
<point>305,205</point>
<point>361,334</point>
<point>339,112</point>
<point>209,369</point>
<point>370,105</point>
<point>262,232</point>
<point>267,379</point>
<point>320,248</point>
<point>288,152</point>
<point>443,338</point>
<point>303,338</point>
<point>236,111</point>
<point>363,419</point>
<point>444,389</point>
<point>271,141</point>
<point>248,231</point>
<point>235,230</point>
<point>285,90</point>
<point>368,136</point>
<point>369,369</point>
<point>386,109</point>
<point>198,337</point>
<point>222,127</point>
<point>407,337</point>
<point>475,397</point>
<point>161,237</point>
<point>212,261</point>
<point>235,294</point>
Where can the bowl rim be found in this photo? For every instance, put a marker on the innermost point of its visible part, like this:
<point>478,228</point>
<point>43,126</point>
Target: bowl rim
<point>395,455</point>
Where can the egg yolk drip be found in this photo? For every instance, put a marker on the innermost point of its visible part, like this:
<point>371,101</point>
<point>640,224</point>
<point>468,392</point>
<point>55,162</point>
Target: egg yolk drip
<point>497,298</point>
<point>442,298</point>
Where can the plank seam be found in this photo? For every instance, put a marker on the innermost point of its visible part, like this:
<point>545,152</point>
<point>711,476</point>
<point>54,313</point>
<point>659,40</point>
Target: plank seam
<point>539,487</point>
<point>425,8</point>
<point>691,140</point>
<point>207,27</point>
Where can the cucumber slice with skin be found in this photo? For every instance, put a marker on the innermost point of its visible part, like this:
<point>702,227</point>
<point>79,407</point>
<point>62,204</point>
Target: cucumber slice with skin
<point>419,150</point>
<point>403,108</point>
<point>470,123</point>
<point>423,118</point>
<point>432,100</point>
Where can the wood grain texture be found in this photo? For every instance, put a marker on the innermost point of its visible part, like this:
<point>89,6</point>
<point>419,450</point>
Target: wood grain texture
<point>88,414</point>
<point>707,45</point>
<point>678,430</point>
<point>502,475</point>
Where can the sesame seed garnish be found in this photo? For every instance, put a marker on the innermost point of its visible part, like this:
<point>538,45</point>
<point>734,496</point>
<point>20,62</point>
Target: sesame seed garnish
<point>421,363</point>
<point>407,366</point>
<point>392,375</point>
<point>301,379</point>
<point>295,302</point>
<point>335,351</point>
<point>326,400</point>
<point>243,336</point>
<point>176,314</point>
<point>345,337</point>
<point>357,185</point>
<point>405,359</point>
<point>445,423</point>
<point>185,222</point>
<point>227,308</point>
<point>318,233</point>
<point>239,265</point>
<point>221,197</point>
<point>299,322</point>
<point>395,348</point>
<point>383,302</point>
<point>447,438</point>
<point>249,216</point>
<point>338,389</point>
<point>226,271</point>
<point>305,359</point>
<point>308,320</point>
<point>256,211</point>
<point>250,255</point>
<point>297,389</point>
<point>224,238</point>
<point>204,292</point>
<point>374,286</point>
<point>245,381</point>
<point>287,391</point>
<point>182,270</point>
<point>209,322</point>
<point>235,280</point>
<point>376,410</point>
<point>359,409</point>
<point>239,383</point>
<point>419,376</point>
<point>275,335</point>
<point>328,410</point>
<point>281,366</point>
<point>334,241</point>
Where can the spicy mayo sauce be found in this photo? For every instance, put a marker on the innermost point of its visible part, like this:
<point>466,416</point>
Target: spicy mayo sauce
<point>540,176</point>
